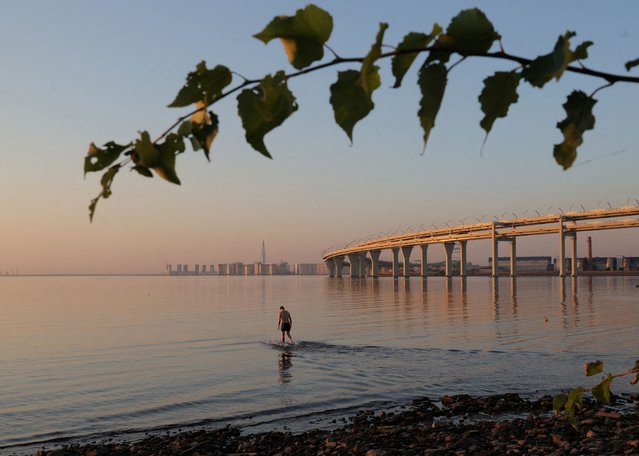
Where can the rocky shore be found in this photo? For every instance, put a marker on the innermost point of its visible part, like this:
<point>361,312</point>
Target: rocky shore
<point>454,425</point>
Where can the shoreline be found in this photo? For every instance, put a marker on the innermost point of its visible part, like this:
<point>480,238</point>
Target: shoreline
<point>460,425</point>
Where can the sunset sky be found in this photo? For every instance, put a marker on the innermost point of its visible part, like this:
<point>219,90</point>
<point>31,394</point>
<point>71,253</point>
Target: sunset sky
<point>76,72</point>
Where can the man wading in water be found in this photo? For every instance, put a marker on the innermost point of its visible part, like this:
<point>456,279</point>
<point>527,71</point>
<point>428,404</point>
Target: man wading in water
<point>284,323</point>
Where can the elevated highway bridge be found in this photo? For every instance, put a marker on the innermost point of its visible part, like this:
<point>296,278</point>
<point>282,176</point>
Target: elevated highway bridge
<point>564,225</point>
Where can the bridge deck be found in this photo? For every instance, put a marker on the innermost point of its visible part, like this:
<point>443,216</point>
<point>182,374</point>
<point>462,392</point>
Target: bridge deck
<point>573,222</point>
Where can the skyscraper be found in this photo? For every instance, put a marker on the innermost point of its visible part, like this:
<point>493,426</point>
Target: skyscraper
<point>263,252</point>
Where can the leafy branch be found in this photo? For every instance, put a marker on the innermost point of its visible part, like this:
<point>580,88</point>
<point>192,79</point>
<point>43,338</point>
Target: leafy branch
<point>264,104</point>
<point>572,401</point>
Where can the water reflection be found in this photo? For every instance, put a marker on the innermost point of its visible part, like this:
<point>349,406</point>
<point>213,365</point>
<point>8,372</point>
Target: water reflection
<point>569,308</point>
<point>284,363</point>
<point>470,312</point>
<point>495,290</point>
<point>513,297</point>
<point>463,298</point>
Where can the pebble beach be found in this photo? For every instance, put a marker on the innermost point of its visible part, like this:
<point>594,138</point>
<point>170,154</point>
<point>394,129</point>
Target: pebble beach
<point>453,425</point>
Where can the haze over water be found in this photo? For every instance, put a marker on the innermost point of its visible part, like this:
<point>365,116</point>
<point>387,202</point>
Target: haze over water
<point>81,357</point>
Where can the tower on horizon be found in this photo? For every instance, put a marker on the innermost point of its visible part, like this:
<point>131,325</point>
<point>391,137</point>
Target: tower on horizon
<point>263,252</point>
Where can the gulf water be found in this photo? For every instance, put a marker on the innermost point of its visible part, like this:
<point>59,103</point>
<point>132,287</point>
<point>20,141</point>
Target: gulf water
<point>90,358</point>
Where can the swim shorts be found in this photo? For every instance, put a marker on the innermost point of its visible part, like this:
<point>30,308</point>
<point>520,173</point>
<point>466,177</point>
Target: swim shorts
<point>286,327</point>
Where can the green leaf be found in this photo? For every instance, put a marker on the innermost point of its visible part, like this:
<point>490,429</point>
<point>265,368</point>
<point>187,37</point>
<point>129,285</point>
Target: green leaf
<point>593,368</point>
<point>302,35</point>
<point>469,32</point>
<point>97,159</point>
<point>146,153</point>
<point>351,95</point>
<point>146,172</point>
<point>402,62</point>
<point>203,135</point>
<point>558,402</point>
<point>575,400</point>
<point>174,144</point>
<point>185,128</point>
<point>160,158</point>
<point>545,67</point>
<point>203,85</point>
<point>350,101</point>
<point>105,181</point>
<point>601,391</point>
<point>578,119</point>
<point>368,65</point>
<point>500,91</point>
<point>581,51</point>
<point>631,64</point>
<point>92,206</point>
<point>265,107</point>
<point>432,83</point>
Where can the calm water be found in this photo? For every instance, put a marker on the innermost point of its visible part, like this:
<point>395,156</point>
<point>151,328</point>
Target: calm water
<point>82,357</point>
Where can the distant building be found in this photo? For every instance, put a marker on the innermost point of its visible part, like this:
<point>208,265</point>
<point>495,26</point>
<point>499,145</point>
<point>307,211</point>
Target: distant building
<point>524,264</point>
<point>606,264</point>
<point>183,270</point>
<point>311,269</point>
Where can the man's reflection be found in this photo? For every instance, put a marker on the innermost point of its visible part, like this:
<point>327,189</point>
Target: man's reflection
<point>285,362</point>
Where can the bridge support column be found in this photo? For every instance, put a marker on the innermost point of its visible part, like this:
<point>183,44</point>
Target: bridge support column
<point>562,248</point>
<point>339,264</point>
<point>353,259</point>
<point>573,266</point>
<point>462,259</point>
<point>330,264</point>
<point>449,258</point>
<point>424,260</point>
<point>395,261</point>
<point>495,250</point>
<point>362,264</point>
<point>513,257</point>
<point>374,263</point>
<point>406,254</point>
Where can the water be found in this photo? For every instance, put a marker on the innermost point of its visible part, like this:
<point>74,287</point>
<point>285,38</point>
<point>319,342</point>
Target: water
<point>89,357</point>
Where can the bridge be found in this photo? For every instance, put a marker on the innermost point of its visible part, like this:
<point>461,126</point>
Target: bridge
<point>564,225</point>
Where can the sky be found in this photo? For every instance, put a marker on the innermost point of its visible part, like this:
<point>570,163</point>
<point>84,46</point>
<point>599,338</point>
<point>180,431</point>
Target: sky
<point>77,71</point>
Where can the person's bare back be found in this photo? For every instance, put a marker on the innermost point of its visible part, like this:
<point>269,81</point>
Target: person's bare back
<point>284,323</point>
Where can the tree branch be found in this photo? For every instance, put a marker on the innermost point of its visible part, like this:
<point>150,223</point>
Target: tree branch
<point>500,55</point>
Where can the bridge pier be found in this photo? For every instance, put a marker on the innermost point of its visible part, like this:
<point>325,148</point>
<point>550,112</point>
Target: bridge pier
<point>462,259</point>
<point>573,265</point>
<point>330,264</point>
<point>562,248</point>
<point>495,249</point>
<point>353,259</point>
<point>513,257</point>
<point>362,264</point>
<point>395,262</point>
<point>449,258</point>
<point>406,254</point>
<point>424,260</point>
<point>339,263</point>
<point>374,263</point>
